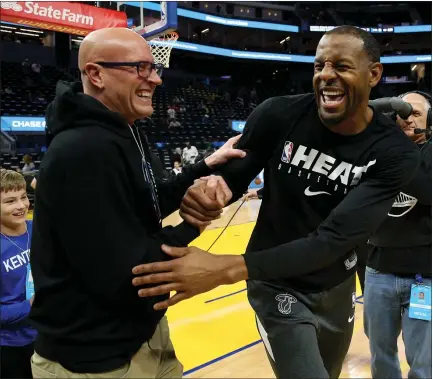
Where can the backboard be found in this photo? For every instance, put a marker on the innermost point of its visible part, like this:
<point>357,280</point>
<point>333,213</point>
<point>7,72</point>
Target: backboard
<point>153,26</point>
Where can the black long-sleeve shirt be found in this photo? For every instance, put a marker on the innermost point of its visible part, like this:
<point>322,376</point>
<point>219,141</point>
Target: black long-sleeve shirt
<point>403,243</point>
<point>94,221</point>
<point>324,193</point>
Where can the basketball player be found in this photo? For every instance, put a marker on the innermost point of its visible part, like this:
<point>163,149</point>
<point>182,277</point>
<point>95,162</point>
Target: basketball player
<point>333,167</point>
<point>99,212</point>
<point>17,337</point>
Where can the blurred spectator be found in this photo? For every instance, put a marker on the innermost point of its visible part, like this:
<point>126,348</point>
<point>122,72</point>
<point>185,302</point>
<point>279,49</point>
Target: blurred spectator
<point>206,116</point>
<point>177,167</point>
<point>36,68</point>
<point>40,99</point>
<point>174,124</point>
<point>182,109</point>
<point>8,91</point>
<point>171,112</point>
<point>189,153</point>
<point>29,166</point>
<point>209,150</point>
<point>177,156</point>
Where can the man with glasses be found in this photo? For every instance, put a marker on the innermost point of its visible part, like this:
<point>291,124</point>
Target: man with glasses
<point>99,214</point>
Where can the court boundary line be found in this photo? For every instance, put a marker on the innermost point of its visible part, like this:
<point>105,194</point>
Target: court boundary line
<point>220,358</point>
<point>224,296</point>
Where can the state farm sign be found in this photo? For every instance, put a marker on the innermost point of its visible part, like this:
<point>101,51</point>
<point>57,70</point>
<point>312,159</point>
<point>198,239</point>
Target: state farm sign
<point>75,18</point>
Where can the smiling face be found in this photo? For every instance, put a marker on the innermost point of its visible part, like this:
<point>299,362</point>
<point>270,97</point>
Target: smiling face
<point>120,88</point>
<point>14,208</point>
<point>14,203</point>
<point>343,77</point>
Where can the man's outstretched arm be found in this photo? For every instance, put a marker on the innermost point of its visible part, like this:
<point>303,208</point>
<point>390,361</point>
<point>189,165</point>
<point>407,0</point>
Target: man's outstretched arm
<point>171,190</point>
<point>349,224</point>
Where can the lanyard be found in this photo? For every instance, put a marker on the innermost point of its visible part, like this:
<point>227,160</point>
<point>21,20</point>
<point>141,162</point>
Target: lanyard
<point>28,240</point>
<point>148,175</point>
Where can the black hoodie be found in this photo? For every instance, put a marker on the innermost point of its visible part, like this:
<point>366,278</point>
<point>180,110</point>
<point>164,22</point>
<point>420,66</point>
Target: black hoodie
<point>95,220</point>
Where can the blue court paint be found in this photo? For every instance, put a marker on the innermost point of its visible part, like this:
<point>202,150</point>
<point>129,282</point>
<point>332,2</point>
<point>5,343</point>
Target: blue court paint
<point>221,357</point>
<point>222,297</point>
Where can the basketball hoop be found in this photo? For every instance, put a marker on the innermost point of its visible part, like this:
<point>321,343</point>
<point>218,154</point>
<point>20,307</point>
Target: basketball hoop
<point>161,47</point>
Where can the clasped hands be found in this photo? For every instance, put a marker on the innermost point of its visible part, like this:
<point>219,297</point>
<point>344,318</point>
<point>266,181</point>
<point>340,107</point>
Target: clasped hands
<point>192,270</point>
<point>204,201</point>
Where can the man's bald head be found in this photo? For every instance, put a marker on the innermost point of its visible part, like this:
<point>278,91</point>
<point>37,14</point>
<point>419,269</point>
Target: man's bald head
<point>418,99</point>
<point>418,117</point>
<point>110,44</point>
<point>116,69</point>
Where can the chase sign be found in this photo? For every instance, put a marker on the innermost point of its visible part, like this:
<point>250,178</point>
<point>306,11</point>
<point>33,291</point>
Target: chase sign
<point>22,124</point>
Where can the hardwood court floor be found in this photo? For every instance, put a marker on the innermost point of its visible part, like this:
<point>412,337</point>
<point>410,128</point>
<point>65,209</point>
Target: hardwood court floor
<point>215,334</point>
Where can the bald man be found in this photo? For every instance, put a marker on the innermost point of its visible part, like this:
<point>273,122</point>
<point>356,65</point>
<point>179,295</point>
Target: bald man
<point>99,214</point>
<point>418,118</point>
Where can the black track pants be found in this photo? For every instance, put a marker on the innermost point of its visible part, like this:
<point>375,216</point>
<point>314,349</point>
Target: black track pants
<point>306,335</point>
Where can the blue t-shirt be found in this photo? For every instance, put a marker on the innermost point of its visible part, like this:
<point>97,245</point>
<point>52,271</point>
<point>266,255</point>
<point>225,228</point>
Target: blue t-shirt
<point>16,286</point>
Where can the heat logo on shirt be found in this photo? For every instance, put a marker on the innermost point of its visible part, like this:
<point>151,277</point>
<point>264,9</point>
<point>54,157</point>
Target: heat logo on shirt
<point>322,164</point>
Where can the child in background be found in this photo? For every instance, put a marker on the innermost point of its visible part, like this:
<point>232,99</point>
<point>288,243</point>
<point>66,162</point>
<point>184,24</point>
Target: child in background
<point>17,293</point>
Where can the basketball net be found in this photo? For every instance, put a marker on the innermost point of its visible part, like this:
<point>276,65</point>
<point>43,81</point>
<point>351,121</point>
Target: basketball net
<point>161,47</point>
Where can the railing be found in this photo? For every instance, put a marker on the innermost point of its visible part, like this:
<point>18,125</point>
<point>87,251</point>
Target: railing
<point>7,143</point>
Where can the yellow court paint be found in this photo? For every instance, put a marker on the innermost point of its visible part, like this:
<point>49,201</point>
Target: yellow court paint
<point>203,331</point>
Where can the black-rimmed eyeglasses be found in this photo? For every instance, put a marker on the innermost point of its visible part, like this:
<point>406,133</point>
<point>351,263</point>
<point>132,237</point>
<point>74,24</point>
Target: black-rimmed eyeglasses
<point>144,69</point>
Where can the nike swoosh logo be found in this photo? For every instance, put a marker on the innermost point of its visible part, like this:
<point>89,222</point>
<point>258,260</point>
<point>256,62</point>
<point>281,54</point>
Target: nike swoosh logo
<point>351,319</point>
<point>311,193</point>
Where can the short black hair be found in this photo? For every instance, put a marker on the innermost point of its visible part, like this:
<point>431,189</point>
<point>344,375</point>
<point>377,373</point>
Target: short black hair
<point>371,46</point>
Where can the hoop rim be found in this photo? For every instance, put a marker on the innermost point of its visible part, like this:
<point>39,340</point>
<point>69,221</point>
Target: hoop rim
<point>162,46</point>
<point>169,36</point>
